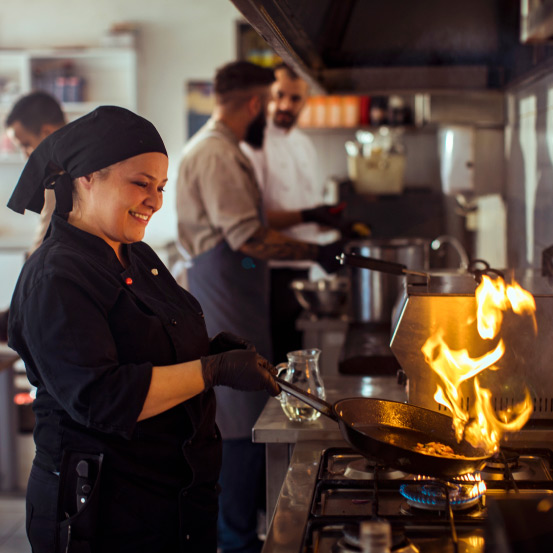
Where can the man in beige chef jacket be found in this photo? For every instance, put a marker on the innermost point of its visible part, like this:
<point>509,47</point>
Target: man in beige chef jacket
<point>287,172</point>
<point>221,225</point>
<point>32,118</point>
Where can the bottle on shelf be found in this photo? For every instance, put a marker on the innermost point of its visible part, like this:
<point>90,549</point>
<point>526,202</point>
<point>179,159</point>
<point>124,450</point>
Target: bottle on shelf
<point>379,111</point>
<point>318,118</point>
<point>398,112</point>
<point>333,111</point>
<point>351,110</point>
<point>364,110</point>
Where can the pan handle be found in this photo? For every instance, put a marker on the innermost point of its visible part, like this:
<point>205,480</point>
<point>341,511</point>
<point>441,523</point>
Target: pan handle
<point>313,401</point>
<point>377,265</point>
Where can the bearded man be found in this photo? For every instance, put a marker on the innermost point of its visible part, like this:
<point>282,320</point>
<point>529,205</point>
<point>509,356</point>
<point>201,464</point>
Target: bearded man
<point>221,226</point>
<point>292,190</point>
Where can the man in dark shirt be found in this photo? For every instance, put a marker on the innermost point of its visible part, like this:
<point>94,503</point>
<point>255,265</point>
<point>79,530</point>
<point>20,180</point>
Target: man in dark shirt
<point>32,118</point>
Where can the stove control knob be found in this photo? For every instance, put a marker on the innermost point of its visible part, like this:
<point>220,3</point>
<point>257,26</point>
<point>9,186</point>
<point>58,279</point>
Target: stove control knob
<point>375,536</point>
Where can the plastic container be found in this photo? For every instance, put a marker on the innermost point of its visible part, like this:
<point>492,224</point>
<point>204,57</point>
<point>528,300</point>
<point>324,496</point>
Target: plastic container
<point>377,176</point>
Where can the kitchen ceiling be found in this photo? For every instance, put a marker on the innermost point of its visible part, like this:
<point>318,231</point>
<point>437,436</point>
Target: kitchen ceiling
<point>369,46</point>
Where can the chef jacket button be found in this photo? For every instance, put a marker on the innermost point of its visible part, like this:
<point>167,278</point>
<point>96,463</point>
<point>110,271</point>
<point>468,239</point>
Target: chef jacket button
<point>187,536</point>
<point>173,322</point>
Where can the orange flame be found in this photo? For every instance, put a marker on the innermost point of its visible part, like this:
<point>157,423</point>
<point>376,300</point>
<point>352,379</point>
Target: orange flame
<point>481,426</point>
<point>476,490</point>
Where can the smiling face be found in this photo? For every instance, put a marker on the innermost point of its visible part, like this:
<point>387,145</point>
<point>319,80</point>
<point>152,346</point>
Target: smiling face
<point>117,203</point>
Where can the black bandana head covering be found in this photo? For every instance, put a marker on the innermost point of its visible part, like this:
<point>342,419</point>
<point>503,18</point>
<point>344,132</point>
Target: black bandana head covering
<point>105,136</point>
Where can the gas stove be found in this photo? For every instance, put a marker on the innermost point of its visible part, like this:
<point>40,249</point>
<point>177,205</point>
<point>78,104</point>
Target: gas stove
<point>506,508</point>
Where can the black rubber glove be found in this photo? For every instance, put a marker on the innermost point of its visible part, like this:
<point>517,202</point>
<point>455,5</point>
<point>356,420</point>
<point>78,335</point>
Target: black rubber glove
<point>325,215</point>
<point>326,256</point>
<point>226,341</point>
<point>239,369</point>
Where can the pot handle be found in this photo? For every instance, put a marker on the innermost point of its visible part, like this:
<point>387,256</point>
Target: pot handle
<point>312,400</point>
<point>377,265</point>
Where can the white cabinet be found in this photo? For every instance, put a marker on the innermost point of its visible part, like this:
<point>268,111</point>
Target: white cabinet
<point>81,79</point>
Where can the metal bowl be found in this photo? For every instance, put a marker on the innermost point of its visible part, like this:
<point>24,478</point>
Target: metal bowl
<point>324,298</point>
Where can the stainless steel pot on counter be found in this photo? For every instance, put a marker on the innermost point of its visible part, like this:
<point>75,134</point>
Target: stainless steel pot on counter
<point>374,293</point>
<point>366,348</point>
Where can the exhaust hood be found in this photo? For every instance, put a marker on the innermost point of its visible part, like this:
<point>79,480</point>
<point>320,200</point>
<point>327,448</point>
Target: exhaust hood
<point>406,46</point>
<point>536,21</point>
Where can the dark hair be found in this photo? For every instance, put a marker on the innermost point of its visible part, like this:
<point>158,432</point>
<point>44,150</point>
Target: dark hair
<point>34,110</point>
<point>241,75</point>
<point>289,71</point>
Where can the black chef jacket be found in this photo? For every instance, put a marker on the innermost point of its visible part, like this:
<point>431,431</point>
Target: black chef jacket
<point>89,332</point>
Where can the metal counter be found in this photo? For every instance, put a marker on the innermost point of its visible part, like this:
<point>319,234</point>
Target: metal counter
<point>281,435</point>
<point>286,531</point>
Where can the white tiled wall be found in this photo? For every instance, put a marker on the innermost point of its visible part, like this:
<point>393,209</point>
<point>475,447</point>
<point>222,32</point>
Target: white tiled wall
<point>529,162</point>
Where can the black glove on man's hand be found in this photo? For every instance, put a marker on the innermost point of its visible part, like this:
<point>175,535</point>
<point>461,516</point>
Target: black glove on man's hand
<point>325,215</point>
<point>239,369</point>
<point>225,341</point>
<point>326,256</point>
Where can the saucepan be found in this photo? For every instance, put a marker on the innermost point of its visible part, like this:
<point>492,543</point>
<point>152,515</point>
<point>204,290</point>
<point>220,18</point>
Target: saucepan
<point>389,432</point>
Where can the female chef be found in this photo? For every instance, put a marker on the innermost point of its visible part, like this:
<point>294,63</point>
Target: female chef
<point>127,450</point>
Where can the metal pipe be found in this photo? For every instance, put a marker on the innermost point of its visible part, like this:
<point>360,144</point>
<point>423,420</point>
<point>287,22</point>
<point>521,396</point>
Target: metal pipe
<point>438,242</point>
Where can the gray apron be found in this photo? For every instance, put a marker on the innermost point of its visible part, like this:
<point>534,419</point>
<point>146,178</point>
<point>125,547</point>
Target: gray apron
<point>233,290</point>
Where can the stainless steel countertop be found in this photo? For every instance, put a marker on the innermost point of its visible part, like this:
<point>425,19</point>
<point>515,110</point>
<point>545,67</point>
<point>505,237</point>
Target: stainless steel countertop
<point>285,534</point>
<point>286,531</point>
<point>273,426</point>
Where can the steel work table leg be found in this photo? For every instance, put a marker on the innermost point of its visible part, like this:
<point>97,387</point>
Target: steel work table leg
<point>277,461</point>
<point>8,430</point>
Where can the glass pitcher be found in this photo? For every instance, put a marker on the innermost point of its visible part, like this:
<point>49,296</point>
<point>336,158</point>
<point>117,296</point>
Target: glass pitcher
<point>302,370</point>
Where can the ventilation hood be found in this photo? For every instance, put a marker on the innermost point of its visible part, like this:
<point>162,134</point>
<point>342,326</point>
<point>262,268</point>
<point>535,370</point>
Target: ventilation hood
<point>406,46</point>
<point>536,21</point>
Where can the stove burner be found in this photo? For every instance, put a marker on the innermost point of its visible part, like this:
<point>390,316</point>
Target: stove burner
<point>499,462</point>
<point>343,545</point>
<point>350,543</point>
<point>430,495</point>
<point>362,469</point>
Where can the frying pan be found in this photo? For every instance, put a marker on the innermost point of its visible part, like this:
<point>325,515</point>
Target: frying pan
<point>388,431</point>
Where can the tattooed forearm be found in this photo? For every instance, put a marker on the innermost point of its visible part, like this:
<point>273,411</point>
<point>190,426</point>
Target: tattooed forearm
<point>267,243</point>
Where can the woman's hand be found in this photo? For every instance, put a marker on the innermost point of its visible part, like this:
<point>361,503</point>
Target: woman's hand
<point>240,369</point>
